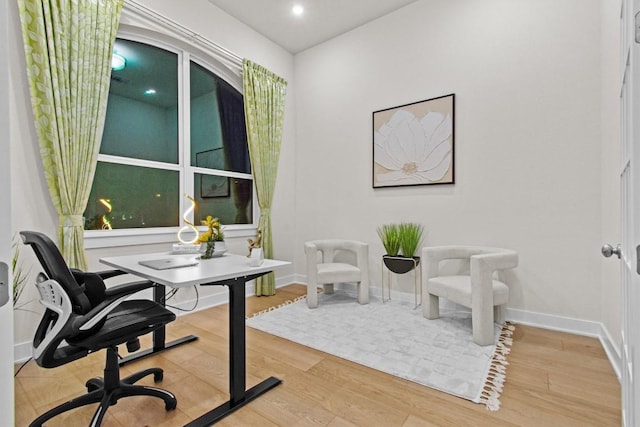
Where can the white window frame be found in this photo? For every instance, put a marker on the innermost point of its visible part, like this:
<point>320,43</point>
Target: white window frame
<point>173,41</point>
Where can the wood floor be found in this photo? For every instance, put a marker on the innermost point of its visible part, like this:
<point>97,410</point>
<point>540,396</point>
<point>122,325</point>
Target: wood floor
<point>554,379</point>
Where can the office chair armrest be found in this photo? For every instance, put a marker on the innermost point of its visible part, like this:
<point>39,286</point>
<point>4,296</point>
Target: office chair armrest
<point>80,275</point>
<point>113,297</point>
<point>107,274</point>
<point>97,313</point>
<point>127,289</point>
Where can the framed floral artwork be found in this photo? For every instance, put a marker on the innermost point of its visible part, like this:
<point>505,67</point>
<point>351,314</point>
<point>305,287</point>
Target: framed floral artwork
<point>413,144</point>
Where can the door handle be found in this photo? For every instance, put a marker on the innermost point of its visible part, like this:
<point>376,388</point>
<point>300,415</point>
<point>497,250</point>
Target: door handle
<point>608,250</point>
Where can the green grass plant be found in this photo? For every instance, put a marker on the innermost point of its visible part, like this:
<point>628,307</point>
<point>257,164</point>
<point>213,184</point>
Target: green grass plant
<point>410,237</point>
<point>19,276</point>
<point>390,236</point>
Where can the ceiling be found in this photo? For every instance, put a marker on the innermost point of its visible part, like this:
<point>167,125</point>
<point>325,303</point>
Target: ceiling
<point>322,19</point>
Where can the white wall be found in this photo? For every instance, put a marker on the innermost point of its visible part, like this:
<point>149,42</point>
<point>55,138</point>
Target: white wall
<point>533,82</point>
<point>610,155</point>
<point>32,208</point>
<point>527,79</point>
<point>6,311</point>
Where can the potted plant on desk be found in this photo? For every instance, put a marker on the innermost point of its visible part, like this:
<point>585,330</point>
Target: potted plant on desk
<point>401,242</point>
<point>212,237</point>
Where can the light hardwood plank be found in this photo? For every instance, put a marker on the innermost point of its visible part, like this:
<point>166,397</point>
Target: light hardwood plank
<point>553,379</point>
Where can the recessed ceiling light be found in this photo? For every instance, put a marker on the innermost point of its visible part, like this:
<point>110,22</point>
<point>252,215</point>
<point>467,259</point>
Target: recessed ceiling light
<point>150,92</point>
<point>297,9</point>
<point>118,62</point>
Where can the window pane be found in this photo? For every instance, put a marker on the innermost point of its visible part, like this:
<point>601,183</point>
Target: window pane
<point>142,112</point>
<point>229,199</point>
<point>132,197</point>
<point>143,125</point>
<point>218,131</point>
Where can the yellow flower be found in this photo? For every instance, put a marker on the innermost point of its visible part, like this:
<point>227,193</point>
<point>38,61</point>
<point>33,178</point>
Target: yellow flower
<point>213,230</point>
<point>204,237</point>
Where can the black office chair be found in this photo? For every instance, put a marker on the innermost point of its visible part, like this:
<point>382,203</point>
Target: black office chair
<point>83,316</point>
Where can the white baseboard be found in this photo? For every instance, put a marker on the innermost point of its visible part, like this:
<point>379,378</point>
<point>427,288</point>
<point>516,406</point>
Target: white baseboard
<point>22,351</point>
<point>557,323</point>
<point>612,350</point>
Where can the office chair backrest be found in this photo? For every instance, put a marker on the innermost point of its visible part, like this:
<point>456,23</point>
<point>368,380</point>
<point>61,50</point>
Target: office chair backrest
<point>56,268</point>
<point>63,298</point>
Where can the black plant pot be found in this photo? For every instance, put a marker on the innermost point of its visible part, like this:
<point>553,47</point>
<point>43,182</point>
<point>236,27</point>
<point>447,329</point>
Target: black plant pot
<point>400,264</point>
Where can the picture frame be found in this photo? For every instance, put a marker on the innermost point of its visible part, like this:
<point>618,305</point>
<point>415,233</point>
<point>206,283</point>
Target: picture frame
<point>413,144</point>
<point>212,186</point>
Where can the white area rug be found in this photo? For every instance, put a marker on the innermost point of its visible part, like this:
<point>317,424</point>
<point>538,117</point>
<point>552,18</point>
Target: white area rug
<point>396,339</point>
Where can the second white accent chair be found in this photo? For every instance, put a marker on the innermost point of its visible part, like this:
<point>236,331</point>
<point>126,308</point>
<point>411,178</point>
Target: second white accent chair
<point>328,263</point>
<point>477,290</point>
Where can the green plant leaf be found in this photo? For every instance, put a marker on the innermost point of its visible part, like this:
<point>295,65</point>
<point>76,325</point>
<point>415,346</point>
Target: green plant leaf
<point>410,237</point>
<point>19,276</point>
<point>390,236</point>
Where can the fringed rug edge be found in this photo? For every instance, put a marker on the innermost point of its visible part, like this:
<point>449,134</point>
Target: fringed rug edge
<point>490,394</point>
<point>275,307</point>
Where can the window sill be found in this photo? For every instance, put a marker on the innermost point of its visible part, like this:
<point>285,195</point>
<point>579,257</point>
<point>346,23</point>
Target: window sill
<point>95,239</point>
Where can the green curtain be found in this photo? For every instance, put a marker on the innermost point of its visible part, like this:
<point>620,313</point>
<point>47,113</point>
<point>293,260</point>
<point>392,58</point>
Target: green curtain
<point>264,94</point>
<point>68,46</point>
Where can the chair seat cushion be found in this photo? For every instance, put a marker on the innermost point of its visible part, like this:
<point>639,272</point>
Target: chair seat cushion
<point>334,272</point>
<point>458,289</point>
<point>129,320</point>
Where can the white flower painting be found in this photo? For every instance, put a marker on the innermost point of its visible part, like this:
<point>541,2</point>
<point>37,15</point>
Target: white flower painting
<point>413,144</point>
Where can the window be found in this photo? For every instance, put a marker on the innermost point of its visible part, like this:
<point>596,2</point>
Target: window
<point>173,127</point>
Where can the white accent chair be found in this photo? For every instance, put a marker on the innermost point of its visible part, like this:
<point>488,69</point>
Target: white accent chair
<point>478,290</point>
<point>325,266</point>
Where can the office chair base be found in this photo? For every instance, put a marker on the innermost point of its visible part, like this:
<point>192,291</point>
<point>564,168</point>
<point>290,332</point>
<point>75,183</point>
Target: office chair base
<point>98,383</point>
<point>107,391</point>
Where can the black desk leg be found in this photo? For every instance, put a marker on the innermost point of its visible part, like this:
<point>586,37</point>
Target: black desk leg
<point>237,343</point>
<point>237,361</point>
<point>159,335</point>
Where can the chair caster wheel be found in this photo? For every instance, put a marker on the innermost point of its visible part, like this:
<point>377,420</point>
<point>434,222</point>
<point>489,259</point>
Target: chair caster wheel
<point>170,406</point>
<point>157,377</point>
<point>93,384</point>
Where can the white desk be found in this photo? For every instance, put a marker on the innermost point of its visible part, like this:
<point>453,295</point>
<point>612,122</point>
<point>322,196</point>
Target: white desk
<point>228,266</point>
<point>229,270</point>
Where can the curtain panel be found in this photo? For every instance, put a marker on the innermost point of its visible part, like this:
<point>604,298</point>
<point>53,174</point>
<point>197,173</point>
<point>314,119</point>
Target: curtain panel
<point>234,133</point>
<point>264,97</point>
<point>68,46</point>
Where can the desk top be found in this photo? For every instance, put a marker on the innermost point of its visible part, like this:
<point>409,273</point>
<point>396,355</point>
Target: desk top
<point>228,266</point>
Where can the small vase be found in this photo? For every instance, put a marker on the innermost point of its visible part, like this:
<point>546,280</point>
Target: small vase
<point>208,252</point>
<point>221,246</point>
<point>256,257</point>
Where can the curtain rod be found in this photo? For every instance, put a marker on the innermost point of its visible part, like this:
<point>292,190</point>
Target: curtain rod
<point>145,12</point>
